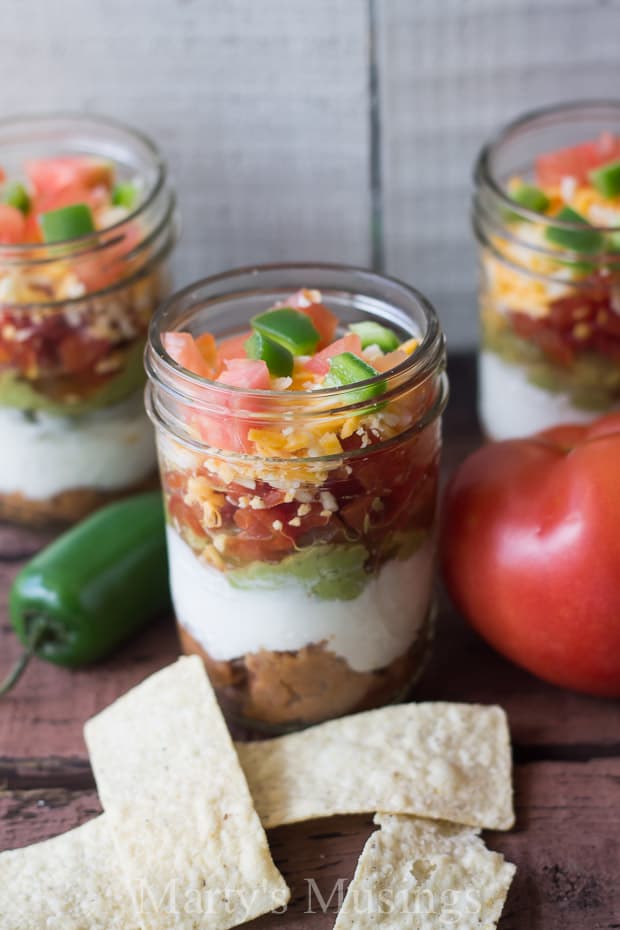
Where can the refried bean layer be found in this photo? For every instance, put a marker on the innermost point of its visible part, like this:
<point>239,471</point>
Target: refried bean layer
<point>65,507</point>
<point>285,690</point>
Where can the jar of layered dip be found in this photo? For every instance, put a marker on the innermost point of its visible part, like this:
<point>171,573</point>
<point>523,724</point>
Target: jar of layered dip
<point>547,218</point>
<point>299,435</point>
<point>86,226</point>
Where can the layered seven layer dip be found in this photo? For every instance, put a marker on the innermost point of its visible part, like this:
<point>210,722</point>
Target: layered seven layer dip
<point>301,541</point>
<point>550,291</point>
<point>83,239</point>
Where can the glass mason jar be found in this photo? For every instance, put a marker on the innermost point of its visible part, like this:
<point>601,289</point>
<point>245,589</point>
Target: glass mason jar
<point>549,284</point>
<point>73,321</point>
<point>303,578</point>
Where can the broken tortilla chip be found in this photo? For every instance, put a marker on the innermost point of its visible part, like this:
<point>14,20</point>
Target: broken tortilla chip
<point>425,874</point>
<point>70,882</point>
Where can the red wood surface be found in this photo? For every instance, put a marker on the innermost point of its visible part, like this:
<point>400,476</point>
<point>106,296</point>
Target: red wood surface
<point>567,757</point>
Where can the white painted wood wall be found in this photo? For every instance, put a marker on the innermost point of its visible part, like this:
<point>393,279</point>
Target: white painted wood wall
<point>263,110</point>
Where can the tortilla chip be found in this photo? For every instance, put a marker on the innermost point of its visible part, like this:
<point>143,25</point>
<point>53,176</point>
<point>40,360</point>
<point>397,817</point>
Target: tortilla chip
<point>427,875</point>
<point>71,882</point>
<point>178,807</point>
<point>437,760</point>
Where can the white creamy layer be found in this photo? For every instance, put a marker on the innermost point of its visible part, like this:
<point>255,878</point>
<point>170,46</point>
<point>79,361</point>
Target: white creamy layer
<point>106,449</point>
<point>510,406</point>
<point>369,632</point>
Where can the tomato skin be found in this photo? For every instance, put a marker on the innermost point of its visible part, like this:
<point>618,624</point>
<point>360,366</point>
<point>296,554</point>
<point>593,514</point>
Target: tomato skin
<point>390,361</point>
<point>205,344</point>
<point>319,363</point>
<point>183,349</point>
<point>228,429</point>
<point>104,268</point>
<point>530,551</point>
<point>65,197</point>
<point>233,347</point>
<point>250,373</point>
<point>12,225</point>
<point>324,321</point>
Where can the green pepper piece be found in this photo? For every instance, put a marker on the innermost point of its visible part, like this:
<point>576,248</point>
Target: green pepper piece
<point>16,195</point>
<point>530,197</point>
<point>613,241</point>
<point>372,333</point>
<point>279,360</point>
<point>124,194</point>
<point>612,247</point>
<point>587,239</point>
<point>67,223</point>
<point>288,327</point>
<point>93,587</point>
<point>606,179</point>
<point>347,368</point>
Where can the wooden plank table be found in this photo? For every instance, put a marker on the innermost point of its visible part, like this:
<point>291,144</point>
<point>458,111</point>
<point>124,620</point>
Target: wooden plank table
<point>566,747</point>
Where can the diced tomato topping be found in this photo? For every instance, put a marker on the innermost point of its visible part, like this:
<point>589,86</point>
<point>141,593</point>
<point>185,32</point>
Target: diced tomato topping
<point>576,323</point>
<point>12,225</point>
<point>257,527</point>
<point>105,268</point>
<point>222,432</point>
<point>356,511</point>
<point>389,361</point>
<point>95,198</point>
<point>32,231</point>
<point>319,363</point>
<point>205,344</point>
<point>324,322</point>
<point>174,481</point>
<point>553,343</point>
<point>185,515</point>
<point>258,524</point>
<point>77,352</point>
<point>233,347</point>
<point>576,161</point>
<point>248,373</point>
<point>183,349</point>
<point>228,429</point>
<point>50,176</point>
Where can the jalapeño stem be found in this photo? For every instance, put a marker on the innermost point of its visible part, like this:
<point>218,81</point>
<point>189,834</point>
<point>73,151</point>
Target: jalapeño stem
<point>39,630</point>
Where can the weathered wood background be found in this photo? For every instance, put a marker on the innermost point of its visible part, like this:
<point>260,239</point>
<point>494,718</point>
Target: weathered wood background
<point>566,842</point>
<point>340,130</point>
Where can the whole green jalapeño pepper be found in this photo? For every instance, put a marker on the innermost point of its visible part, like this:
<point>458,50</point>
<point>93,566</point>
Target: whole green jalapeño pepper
<point>93,587</point>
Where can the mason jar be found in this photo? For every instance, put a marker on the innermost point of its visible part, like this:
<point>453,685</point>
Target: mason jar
<point>74,314</point>
<point>548,231</point>
<point>301,564</point>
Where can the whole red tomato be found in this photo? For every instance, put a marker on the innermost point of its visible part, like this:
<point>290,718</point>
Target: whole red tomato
<point>531,551</point>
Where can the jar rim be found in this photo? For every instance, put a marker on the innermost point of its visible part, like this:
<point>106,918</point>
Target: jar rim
<point>419,365</point>
<point>484,175</point>
<point>103,122</point>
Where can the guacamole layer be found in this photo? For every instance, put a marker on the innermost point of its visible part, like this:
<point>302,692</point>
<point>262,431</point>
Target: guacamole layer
<point>592,382</point>
<point>328,571</point>
<point>47,396</point>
